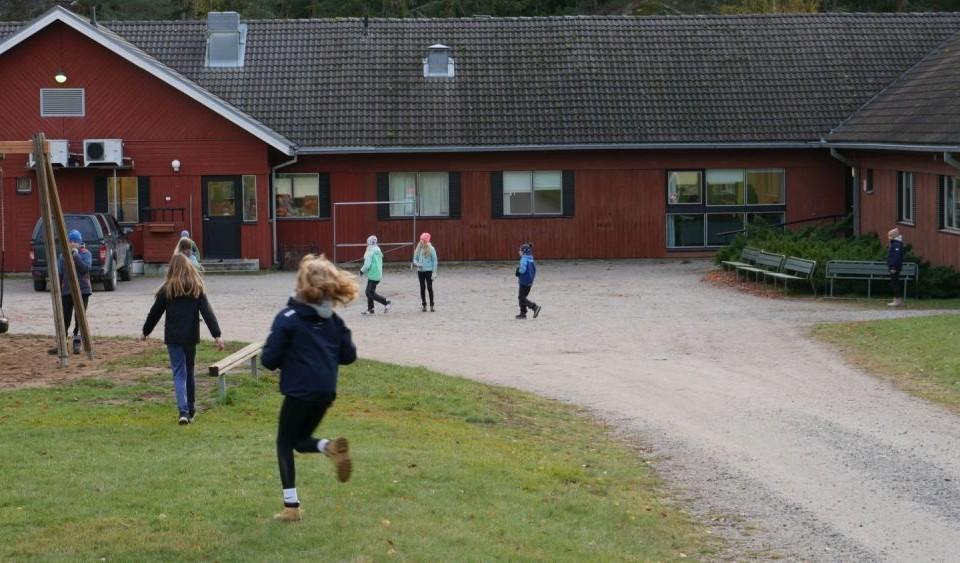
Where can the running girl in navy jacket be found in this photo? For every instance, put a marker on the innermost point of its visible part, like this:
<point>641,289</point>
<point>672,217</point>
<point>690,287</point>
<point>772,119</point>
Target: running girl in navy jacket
<point>308,342</point>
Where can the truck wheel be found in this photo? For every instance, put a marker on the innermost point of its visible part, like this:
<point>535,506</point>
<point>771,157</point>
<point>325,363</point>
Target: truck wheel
<point>125,270</point>
<point>110,283</point>
<point>39,285</point>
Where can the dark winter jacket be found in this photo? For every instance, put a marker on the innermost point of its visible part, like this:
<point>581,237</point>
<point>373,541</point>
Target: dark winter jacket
<point>895,255</point>
<point>527,271</point>
<point>308,343</point>
<point>83,260</point>
<point>182,326</point>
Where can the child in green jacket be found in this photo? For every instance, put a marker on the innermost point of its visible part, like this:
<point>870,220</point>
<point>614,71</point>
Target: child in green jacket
<point>373,269</point>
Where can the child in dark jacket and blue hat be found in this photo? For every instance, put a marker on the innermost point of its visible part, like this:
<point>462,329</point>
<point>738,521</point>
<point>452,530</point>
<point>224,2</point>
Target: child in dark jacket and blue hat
<point>83,261</point>
<point>526,273</point>
<point>895,264</point>
<point>308,342</point>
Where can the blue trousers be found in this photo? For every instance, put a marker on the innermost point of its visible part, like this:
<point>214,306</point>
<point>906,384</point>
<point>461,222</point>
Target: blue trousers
<point>184,384</point>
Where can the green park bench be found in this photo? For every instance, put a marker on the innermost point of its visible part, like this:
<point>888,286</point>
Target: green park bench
<point>794,269</point>
<point>869,271</point>
<point>764,262</point>
<point>747,257</point>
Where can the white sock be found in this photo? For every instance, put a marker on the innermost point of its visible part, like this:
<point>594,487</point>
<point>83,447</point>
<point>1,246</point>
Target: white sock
<point>290,497</point>
<point>322,444</point>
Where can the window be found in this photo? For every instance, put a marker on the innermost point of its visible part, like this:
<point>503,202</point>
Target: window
<point>249,198</point>
<point>684,187</point>
<point>906,203</point>
<point>24,185</point>
<point>533,193</point>
<point>724,187</point>
<point>438,63</point>
<point>950,203</point>
<point>868,181</point>
<point>427,192</point>
<point>62,102</point>
<point>123,201</point>
<point>706,208</point>
<point>765,187</point>
<point>297,195</point>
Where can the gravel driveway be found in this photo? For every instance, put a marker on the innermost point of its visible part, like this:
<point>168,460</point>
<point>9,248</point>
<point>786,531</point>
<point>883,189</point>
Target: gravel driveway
<point>751,422</point>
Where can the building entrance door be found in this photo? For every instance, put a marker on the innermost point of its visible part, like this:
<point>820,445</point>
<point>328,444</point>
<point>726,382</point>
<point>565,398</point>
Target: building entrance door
<point>221,216</point>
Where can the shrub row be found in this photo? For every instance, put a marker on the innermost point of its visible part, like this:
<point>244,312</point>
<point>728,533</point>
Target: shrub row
<point>832,243</point>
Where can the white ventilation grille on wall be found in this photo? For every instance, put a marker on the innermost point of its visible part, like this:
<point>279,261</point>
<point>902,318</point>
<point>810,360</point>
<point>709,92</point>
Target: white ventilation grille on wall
<point>62,102</point>
<point>226,40</point>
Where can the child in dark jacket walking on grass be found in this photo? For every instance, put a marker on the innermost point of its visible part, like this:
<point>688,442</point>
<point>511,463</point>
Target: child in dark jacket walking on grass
<point>182,298</point>
<point>308,342</point>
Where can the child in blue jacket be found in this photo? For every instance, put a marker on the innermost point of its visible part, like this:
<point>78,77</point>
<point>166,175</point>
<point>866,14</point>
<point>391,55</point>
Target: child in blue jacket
<point>308,342</point>
<point>526,273</point>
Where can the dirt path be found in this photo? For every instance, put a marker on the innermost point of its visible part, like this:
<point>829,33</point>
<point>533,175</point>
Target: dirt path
<point>799,454</point>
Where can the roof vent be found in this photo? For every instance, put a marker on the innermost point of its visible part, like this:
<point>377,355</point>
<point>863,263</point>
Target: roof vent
<point>226,40</point>
<point>438,63</point>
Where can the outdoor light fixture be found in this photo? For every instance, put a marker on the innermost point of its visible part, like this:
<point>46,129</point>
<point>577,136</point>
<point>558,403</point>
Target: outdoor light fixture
<point>60,77</point>
<point>175,164</point>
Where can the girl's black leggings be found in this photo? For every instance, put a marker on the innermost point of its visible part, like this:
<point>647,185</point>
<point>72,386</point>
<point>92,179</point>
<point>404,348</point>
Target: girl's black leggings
<point>372,295</point>
<point>895,282</point>
<point>426,286</point>
<point>298,419</point>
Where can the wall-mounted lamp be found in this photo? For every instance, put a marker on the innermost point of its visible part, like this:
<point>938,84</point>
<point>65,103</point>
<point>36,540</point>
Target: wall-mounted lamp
<point>60,77</point>
<point>175,165</point>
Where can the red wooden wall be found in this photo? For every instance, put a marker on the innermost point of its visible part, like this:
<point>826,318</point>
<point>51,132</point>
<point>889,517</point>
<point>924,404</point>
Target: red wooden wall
<point>156,122</point>
<point>879,209</point>
<point>620,201</point>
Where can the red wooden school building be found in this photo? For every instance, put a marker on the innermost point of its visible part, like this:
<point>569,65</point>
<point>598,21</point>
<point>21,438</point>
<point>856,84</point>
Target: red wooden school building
<point>594,137</point>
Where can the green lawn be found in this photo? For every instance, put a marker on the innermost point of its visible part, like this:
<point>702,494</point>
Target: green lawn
<point>920,354</point>
<point>444,469</point>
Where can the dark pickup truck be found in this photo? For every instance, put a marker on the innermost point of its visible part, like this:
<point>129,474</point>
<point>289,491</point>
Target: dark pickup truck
<point>104,238</point>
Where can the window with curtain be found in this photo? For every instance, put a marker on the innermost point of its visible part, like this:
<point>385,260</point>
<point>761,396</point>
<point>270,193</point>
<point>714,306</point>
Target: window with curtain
<point>428,193</point>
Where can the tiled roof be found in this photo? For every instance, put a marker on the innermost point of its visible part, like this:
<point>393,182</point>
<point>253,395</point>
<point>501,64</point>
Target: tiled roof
<point>557,80</point>
<point>921,108</point>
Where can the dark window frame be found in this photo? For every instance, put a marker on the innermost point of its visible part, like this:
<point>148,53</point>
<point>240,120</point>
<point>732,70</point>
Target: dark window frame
<point>901,205</point>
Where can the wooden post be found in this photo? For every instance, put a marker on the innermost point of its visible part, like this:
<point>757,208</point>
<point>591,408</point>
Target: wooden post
<point>71,269</point>
<point>253,368</point>
<point>49,247</point>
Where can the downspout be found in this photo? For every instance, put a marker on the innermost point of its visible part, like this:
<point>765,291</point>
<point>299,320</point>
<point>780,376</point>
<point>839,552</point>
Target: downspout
<point>856,188</point>
<point>273,203</point>
<point>949,159</point>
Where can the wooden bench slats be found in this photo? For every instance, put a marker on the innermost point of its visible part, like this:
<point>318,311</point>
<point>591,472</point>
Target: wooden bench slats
<point>235,359</point>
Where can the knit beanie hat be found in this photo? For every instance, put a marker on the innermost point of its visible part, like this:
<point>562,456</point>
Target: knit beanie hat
<point>75,236</point>
<point>526,248</point>
<point>184,234</point>
<point>371,240</point>
<point>894,233</point>
<point>425,237</point>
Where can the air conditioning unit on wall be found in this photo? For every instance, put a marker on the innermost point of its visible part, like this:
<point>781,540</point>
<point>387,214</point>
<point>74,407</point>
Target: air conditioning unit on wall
<point>103,151</point>
<point>59,155</point>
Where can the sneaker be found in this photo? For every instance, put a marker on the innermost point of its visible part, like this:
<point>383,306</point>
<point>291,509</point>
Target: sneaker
<point>192,416</point>
<point>432,310</point>
<point>386,308</point>
<point>895,303</point>
<point>288,514</point>
<point>536,311</point>
<point>520,316</point>
<point>370,312</point>
<point>338,450</point>
<point>423,308</point>
<point>183,420</point>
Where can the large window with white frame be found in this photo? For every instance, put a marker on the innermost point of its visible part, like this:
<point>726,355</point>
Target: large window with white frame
<point>906,198</point>
<point>427,193</point>
<point>297,196</point>
<point>706,207</point>
<point>533,192</point>
<point>950,203</point>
